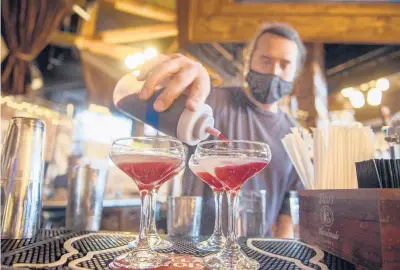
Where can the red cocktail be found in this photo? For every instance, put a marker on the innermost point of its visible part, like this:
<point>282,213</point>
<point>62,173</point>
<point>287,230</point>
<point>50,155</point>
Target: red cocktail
<point>215,185</point>
<point>146,172</point>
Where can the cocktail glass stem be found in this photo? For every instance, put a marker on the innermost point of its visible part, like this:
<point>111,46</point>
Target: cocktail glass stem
<point>217,239</point>
<point>156,242</point>
<point>218,195</point>
<point>142,256</point>
<point>232,242</point>
<point>231,257</point>
<point>143,243</point>
<point>153,201</point>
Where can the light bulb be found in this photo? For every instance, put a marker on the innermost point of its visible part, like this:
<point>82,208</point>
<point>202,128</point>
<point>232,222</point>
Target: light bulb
<point>136,72</point>
<point>357,99</point>
<point>364,87</point>
<point>134,60</point>
<point>372,84</point>
<point>346,92</point>
<point>383,84</point>
<point>150,53</point>
<point>374,97</point>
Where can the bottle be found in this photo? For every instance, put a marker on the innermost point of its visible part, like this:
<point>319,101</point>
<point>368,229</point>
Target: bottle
<point>177,121</point>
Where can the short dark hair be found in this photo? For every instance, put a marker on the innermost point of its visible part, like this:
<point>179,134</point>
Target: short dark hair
<point>279,29</point>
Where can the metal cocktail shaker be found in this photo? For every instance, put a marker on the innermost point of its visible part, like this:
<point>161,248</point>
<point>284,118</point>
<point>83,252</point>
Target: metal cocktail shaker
<point>22,166</point>
<point>86,186</point>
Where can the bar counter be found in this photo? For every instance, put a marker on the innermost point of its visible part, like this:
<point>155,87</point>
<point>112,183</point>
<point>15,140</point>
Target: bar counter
<point>95,250</point>
<point>107,203</point>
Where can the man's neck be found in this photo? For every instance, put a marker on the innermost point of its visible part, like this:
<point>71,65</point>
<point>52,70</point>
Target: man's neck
<point>273,107</point>
<point>268,107</point>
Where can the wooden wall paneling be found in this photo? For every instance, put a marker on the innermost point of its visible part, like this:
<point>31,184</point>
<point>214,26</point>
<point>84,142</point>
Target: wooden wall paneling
<point>228,21</point>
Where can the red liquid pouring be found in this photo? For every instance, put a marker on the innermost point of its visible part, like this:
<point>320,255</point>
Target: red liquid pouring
<point>234,176</point>
<point>222,137</point>
<point>217,133</point>
<point>147,174</point>
<point>215,185</point>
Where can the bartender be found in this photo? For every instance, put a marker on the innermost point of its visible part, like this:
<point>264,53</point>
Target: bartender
<point>251,111</point>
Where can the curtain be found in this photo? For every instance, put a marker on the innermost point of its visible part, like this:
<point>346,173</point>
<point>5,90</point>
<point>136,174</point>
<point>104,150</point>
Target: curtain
<point>26,26</point>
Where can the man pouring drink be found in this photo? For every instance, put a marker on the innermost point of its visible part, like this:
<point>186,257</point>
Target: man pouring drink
<point>250,112</point>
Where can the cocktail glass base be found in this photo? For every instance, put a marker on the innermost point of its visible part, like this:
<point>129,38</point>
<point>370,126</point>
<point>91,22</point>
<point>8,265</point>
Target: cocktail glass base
<point>214,243</point>
<point>230,260</point>
<point>156,243</point>
<point>140,259</point>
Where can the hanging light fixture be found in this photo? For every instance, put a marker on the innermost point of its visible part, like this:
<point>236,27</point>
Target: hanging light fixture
<point>383,84</point>
<point>374,97</point>
<point>357,99</point>
<point>150,53</point>
<point>346,92</point>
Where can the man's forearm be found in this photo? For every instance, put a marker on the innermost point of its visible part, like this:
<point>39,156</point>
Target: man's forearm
<point>283,228</point>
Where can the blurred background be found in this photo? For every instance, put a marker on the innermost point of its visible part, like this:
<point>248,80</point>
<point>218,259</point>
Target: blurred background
<point>61,65</point>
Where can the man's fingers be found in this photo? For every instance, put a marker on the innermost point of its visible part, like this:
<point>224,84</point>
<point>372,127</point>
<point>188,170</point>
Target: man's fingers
<point>199,90</point>
<point>159,74</point>
<point>151,64</point>
<point>176,87</point>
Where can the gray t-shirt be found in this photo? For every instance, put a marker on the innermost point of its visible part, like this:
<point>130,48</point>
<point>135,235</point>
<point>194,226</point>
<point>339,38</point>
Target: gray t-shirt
<point>237,118</point>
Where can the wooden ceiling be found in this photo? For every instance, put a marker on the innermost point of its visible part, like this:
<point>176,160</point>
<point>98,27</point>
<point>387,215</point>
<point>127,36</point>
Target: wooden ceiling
<point>206,21</point>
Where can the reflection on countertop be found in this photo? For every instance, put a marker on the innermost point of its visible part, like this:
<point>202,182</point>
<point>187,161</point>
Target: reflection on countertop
<point>107,203</point>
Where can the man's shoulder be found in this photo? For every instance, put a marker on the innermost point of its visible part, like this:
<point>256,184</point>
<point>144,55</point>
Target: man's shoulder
<point>292,122</point>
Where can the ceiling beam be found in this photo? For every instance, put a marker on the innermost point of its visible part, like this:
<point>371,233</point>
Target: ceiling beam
<point>94,46</point>
<point>140,33</point>
<point>143,9</point>
<point>202,21</point>
<point>227,55</point>
<point>216,78</point>
<point>87,28</point>
<point>173,47</point>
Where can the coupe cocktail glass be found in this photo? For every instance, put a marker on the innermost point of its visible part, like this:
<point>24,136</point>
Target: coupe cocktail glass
<point>147,161</point>
<point>232,165</point>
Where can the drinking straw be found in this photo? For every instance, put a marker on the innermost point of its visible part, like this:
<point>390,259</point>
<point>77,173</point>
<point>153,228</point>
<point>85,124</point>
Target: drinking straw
<point>335,151</point>
<point>294,157</point>
<point>304,155</point>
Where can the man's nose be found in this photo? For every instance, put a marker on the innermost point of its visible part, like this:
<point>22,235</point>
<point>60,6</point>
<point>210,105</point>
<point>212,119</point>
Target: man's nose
<point>276,68</point>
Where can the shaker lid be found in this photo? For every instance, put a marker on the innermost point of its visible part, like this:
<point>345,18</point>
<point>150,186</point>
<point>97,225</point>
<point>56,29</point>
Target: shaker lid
<point>192,126</point>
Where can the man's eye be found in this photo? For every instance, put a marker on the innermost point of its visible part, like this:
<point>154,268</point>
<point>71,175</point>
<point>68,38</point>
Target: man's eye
<point>267,61</point>
<point>284,65</point>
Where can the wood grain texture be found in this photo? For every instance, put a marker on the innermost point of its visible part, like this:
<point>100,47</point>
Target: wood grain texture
<point>310,87</point>
<point>361,226</point>
<point>140,33</point>
<point>228,21</point>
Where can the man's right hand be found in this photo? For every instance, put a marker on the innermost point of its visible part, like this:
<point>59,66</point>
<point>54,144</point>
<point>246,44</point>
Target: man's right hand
<point>176,73</point>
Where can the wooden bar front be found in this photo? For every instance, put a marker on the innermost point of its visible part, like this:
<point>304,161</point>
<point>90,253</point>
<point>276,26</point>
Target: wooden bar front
<point>361,226</point>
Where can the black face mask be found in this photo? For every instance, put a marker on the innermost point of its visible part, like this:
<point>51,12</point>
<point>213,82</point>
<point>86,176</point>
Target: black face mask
<point>267,88</point>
